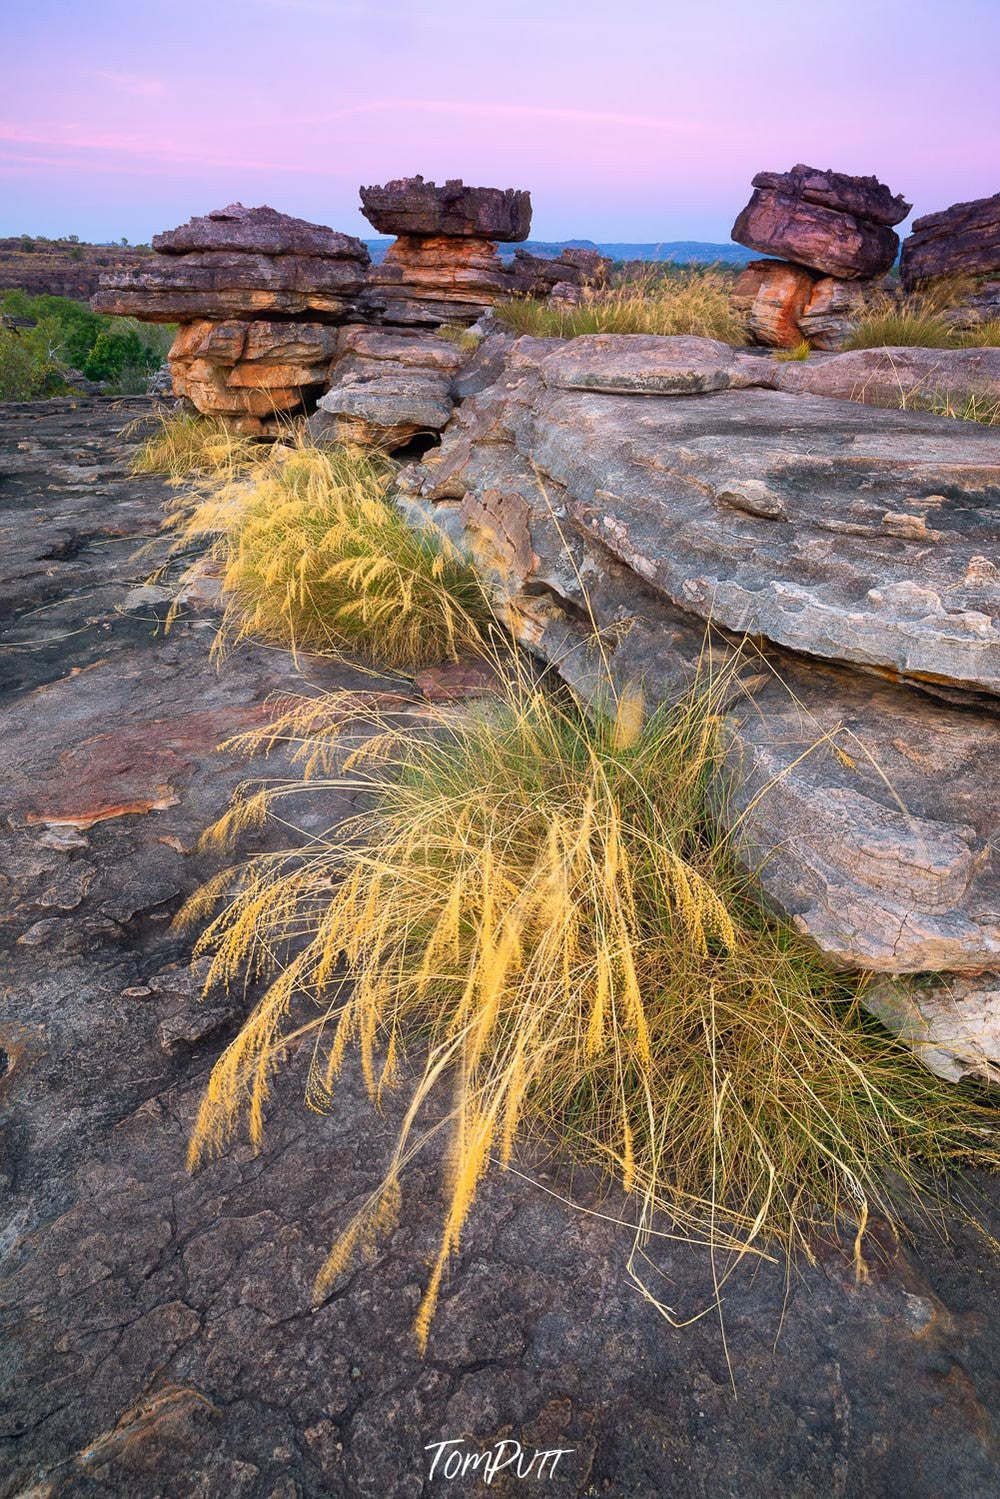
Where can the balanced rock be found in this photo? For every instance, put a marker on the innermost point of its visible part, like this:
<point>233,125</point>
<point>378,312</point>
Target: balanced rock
<point>963,240</point>
<point>411,206</point>
<point>828,221</point>
<point>388,385</point>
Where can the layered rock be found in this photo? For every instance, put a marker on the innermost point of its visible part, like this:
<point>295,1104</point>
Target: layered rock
<point>250,371</point>
<point>443,268</point>
<point>411,206</point>
<point>436,280</point>
<point>388,385</point>
<point>785,305</point>
<point>853,544</point>
<point>963,240</point>
<point>829,221</point>
<point>240,263</point>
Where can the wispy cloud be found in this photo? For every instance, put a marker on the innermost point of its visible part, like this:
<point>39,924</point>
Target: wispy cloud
<point>133,83</point>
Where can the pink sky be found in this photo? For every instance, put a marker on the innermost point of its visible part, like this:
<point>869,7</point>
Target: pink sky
<point>638,121</point>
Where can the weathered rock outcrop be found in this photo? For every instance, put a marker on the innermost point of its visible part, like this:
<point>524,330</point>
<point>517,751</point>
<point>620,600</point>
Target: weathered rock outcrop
<point>250,371</point>
<point>443,268</point>
<point>853,544</point>
<point>435,280</point>
<point>241,263</point>
<point>254,291</point>
<point>891,376</point>
<point>963,240</point>
<point>411,206</point>
<point>388,385</point>
<point>828,221</point>
<point>539,275</point>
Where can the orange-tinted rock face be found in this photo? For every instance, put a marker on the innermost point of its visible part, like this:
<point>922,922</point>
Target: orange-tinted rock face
<point>774,296</point>
<point>250,369</point>
<point>437,279</point>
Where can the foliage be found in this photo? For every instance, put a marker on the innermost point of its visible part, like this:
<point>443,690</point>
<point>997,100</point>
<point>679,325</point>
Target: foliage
<point>924,319</point>
<point>801,351</point>
<point>28,370</point>
<point>316,555</point>
<point>653,300</point>
<point>119,352</point>
<point>544,901</point>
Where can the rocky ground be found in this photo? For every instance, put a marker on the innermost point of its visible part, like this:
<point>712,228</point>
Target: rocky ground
<point>158,1334</point>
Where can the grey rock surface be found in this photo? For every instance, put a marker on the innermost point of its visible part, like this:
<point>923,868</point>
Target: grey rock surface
<point>389,385</point>
<point>158,1335</point>
<point>866,807</point>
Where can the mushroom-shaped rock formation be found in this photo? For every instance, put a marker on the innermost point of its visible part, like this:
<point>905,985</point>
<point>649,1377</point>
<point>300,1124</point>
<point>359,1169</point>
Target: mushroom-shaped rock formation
<point>444,267</point>
<point>254,291</point>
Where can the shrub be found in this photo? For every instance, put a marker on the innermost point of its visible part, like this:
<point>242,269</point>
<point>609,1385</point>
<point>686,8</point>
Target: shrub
<point>118,350</point>
<point>317,556</point>
<point>924,319</point>
<point>543,900</point>
<point>28,370</point>
<point>654,301</point>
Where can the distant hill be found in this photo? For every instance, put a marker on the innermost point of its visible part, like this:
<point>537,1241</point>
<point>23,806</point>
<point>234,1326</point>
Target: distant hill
<point>678,250</point>
<point>60,267</point>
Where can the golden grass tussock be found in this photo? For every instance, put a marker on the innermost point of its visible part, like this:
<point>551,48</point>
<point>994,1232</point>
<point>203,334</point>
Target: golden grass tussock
<point>317,556</point>
<point>183,445</point>
<point>923,319</point>
<point>655,300</point>
<point>540,904</point>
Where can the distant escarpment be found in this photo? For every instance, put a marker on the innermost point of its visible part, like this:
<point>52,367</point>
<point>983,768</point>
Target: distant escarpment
<point>62,267</point>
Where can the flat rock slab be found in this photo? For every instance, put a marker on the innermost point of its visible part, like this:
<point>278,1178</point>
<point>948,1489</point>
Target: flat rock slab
<point>868,808</point>
<point>846,532</point>
<point>158,1335</point>
<point>260,231</point>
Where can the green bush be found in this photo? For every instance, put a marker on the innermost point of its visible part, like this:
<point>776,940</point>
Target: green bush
<point>120,352</point>
<point>28,372</point>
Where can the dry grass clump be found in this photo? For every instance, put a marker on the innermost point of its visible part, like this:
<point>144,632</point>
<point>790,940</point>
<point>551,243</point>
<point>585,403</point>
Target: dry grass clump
<point>924,319</point>
<point>184,445</point>
<point>543,901</point>
<point>316,556</point>
<point>972,407</point>
<point>696,301</point>
<point>800,352</point>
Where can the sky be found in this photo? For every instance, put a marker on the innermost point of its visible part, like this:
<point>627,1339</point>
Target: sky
<point>634,120</point>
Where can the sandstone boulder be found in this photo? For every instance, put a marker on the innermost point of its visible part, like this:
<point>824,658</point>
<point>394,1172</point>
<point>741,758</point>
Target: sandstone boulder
<point>411,206</point>
<point>862,197</point>
<point>830,222</point>
<point>250,370</point>
<point>773,296</point>
<point>388,386</point>
<point>963,240</point>
<point>225,284</point>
